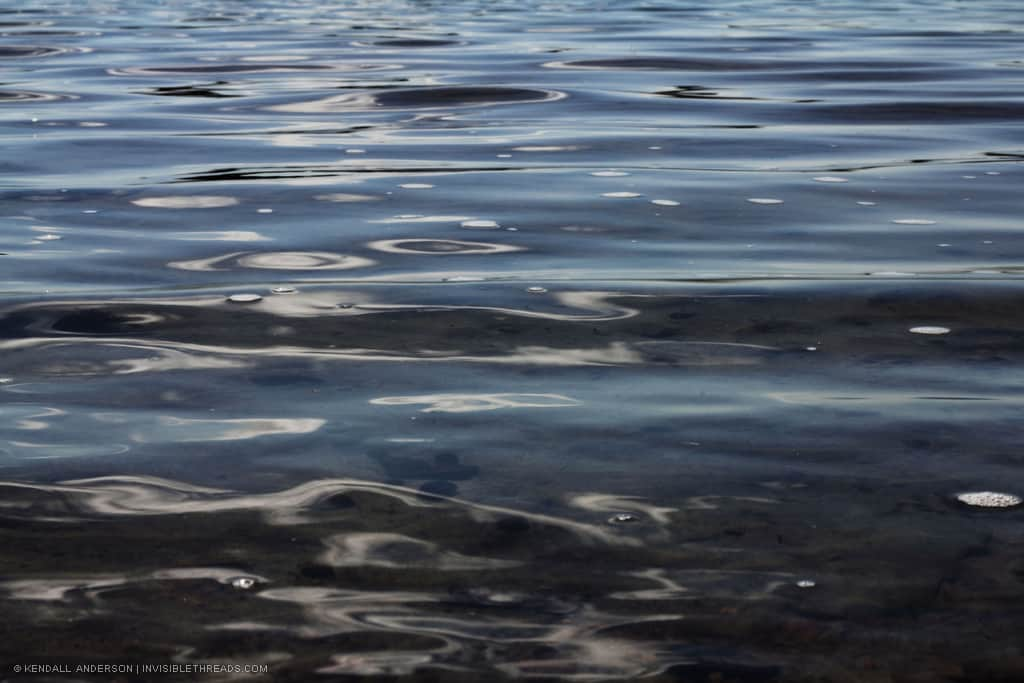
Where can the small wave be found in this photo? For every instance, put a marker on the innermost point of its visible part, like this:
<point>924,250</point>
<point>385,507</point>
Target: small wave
<point>415,42</point>
<point>235,68</point>
<point>424,98</point>
<point>276,260</point>
<point>437,247</point>
<point>23,51</point>
<point>28,96</point>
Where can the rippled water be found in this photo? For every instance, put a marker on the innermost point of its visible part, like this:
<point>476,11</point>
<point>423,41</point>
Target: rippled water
<point>728,318</point>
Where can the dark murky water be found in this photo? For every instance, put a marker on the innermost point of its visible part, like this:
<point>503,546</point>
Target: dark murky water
<point>729,313</point>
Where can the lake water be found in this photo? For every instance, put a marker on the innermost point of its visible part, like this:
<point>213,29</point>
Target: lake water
<point>728,314</point>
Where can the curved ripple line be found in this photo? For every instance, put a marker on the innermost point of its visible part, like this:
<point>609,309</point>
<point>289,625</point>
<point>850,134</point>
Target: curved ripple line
<point>470,403</point>
<point>186,202</point>
<point>275,260</point>
<point>441,247</point>
<point>246,67</point>
<point>146,495</point>
<point>427,97</point>
<point>14,96</point>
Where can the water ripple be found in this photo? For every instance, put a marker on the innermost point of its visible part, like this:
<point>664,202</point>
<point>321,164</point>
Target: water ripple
<point>672,417</point>
<point>423,98</point>
<point>471,403</point>
<point>7,96</point>
<point>243,68</point>
<point>440,247</point>
<point>27,51</point>
<point>275,260</point>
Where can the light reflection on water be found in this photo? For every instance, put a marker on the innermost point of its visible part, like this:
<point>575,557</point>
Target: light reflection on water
<point>664,410</point>
<point>448,574</point>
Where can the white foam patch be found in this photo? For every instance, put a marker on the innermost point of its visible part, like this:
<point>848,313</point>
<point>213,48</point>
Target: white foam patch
<point>245,298</point>
<point>989,499</point>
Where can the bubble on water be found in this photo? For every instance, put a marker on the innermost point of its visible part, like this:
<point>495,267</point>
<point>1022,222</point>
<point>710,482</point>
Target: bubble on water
<point>623,518</point>
<point>665,202</point>
<point>355,151</point>
<point>989,499</point>
<point>609,174</point>
<point>830,179</point>
<point>654,147</point>
<point>245,298</point>
<point>186,202</point>
<point>503,156</point>
<point>944,244</point>
<point>969,177</point>
<point>763,200</point>
<point>284,290</point>
<point>49,237</point>
<point>483,224</point>
<point>536,290</point>
<point>806,583</point>
<point>243,583</point>
<point>929,329</point>
<point>264,211</point>
<point>868,203</point>
<point>416,186</point>
<point>811,348</point>
<point>620,195</point>
<point>992,173</point>
<point>914,221</point>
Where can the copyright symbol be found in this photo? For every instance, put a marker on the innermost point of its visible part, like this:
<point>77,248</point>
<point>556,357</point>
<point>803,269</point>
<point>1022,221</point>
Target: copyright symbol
<point>17,668</point>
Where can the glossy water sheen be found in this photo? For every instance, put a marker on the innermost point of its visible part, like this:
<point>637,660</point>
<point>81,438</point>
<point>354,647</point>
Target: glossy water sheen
<point>489,340</point>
